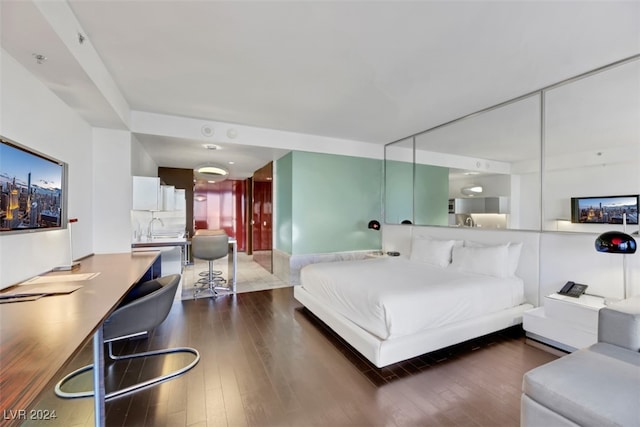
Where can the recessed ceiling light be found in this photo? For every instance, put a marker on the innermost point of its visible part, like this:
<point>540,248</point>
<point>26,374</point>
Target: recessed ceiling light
<point>39,58</point>
<point>232,163</point>
<point>211,146</point>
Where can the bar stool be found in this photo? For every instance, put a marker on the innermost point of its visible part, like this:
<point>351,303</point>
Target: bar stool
<point>210,246</point>
<point>205,274</point>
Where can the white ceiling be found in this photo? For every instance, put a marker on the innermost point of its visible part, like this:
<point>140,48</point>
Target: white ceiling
<point>369,71</point>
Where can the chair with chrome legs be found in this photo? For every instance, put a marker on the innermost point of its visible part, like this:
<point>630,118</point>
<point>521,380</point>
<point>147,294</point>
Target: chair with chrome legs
<point>205,274</point>
<point>210,247</point>
<point>144,308</point>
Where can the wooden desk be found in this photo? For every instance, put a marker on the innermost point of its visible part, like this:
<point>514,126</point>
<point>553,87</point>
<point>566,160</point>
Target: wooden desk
<point>39,338</point>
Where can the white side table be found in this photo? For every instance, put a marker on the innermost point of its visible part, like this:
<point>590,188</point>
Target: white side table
<point>565,322</point>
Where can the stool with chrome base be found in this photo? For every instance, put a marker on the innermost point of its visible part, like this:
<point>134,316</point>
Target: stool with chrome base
<point>144,308</point>
<point>205,274</point>
<point>210,247</point>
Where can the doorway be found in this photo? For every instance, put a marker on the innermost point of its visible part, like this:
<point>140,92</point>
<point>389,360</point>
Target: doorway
<point>262,216</point>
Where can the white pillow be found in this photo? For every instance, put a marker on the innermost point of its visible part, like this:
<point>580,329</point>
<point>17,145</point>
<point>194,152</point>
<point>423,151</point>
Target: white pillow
<point>514,254</point>
<point>514,257</point>
<point>431,251</point>
<point>485,260</point>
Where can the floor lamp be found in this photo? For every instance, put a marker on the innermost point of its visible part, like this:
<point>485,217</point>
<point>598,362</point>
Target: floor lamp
<point>617,242</point>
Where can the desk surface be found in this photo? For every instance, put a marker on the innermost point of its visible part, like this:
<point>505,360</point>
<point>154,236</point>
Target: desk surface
<point>39,338</point>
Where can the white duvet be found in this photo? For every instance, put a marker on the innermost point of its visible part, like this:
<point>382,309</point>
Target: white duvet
<point>392,297</point>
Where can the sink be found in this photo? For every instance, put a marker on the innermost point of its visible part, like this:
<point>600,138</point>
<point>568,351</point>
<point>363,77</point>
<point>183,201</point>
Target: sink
<point>165,236</point>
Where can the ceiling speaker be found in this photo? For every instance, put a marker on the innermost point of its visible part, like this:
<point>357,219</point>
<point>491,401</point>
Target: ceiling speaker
<point>207,130</point>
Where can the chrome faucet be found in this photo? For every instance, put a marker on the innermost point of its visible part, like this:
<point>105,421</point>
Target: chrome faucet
<point>469,222</point>
<point>150,226</point>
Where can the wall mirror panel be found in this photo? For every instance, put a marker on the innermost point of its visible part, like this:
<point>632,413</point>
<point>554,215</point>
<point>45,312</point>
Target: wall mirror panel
<point>592,149</point>
<point>487,169</point>
<point>479,171</point>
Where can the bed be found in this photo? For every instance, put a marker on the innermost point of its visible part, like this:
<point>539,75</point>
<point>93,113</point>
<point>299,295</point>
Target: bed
<point>445,291</point>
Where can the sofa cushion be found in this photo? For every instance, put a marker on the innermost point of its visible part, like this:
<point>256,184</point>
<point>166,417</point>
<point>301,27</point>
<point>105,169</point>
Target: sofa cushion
<point>619,323</point>
<point>535,415</point>
<point>598,386</point>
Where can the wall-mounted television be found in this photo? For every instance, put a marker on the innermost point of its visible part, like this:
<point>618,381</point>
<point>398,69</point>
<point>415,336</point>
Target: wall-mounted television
<point>604,210</point>
<point>32,190</point>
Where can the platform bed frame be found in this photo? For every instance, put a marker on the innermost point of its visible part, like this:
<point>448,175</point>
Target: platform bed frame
<point>386,352</point>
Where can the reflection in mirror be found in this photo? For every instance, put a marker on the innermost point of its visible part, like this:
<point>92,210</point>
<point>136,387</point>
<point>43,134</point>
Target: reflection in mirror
<point>592,143</point>
<point>398,176</point>
<point>482,170</point>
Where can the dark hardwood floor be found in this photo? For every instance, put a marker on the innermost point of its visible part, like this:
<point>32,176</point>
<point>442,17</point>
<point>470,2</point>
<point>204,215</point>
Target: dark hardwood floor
<point>266,362</point>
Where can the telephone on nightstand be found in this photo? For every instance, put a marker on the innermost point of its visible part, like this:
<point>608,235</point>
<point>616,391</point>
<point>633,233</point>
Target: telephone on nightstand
<point>572,289</point>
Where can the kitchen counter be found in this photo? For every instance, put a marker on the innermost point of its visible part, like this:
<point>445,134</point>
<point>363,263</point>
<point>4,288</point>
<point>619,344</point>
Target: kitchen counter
<point>173,259</point>
<point>153,243</point>
<point>159,243</point>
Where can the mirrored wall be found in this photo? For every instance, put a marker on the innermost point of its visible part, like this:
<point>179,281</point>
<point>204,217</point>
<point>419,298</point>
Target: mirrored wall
<point>488,169</point>
<point>592,150</point>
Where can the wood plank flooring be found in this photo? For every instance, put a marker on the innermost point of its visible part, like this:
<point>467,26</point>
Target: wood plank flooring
<point>267,362</point>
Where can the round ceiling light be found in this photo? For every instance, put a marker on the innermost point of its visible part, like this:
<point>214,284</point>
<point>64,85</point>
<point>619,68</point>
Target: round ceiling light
<point>210,172</point>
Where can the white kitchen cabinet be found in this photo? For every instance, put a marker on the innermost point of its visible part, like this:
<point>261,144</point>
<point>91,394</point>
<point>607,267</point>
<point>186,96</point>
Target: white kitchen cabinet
<point>168,197</point>
<point>181,199</point>
<point>146,193</point>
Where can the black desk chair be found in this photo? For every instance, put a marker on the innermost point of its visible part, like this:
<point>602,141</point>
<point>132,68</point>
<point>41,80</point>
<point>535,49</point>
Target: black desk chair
<point>144,308</point>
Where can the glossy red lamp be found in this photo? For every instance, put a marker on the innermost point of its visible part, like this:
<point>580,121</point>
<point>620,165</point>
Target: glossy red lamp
<point>617,242</point>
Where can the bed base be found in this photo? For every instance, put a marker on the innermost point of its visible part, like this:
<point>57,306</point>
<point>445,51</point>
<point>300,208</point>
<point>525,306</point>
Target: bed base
<point>386,352</point>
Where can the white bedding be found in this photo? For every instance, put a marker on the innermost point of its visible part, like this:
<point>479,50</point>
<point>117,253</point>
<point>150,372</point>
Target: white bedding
<point>392,297</point>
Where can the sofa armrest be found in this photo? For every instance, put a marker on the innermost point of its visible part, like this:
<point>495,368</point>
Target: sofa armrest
<point>619,324</point>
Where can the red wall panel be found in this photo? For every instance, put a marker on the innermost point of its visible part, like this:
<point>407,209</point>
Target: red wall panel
<point>221,206</point>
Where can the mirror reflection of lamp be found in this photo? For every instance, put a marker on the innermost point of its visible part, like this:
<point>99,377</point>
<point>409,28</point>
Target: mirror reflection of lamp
<point>617,242</point>
<point>472,190</point>
<point>374,225</point>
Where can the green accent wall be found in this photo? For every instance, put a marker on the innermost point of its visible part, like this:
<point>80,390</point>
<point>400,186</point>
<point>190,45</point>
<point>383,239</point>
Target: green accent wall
<point>284,202</point>
<point>332,199</point>
<point>398,195</point>
<point>431,197</point>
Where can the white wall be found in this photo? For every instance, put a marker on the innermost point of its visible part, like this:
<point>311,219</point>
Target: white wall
<point>33,116</point>
<point>141,163</point>
<point>572,256</point>
<point>112,187</point>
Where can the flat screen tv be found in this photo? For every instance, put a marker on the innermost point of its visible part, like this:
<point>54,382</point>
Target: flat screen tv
<point>604,210</point>
<point>32,190</point>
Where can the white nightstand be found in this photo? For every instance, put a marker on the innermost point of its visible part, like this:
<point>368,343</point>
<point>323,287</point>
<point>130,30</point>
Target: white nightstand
<point>564,322</point>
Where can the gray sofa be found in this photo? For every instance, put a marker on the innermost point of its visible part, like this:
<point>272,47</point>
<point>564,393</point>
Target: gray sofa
<point>596,386</point>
